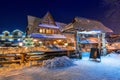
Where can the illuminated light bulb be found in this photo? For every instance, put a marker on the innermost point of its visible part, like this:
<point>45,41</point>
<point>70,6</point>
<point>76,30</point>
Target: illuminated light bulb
<point>40,42</point>
<point>19,39</point>
<point>59,40</point>
<point>20,44</point>
<point>55,42</point>
<point>35,40</point>
<point>66,44</point>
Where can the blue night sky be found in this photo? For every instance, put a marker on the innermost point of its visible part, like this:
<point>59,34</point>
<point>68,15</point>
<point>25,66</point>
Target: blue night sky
<point>13,14</point>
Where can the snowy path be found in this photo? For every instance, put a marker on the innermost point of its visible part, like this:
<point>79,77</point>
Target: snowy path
<point>108,69</point>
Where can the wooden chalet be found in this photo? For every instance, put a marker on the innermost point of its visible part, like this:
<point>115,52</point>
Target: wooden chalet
<point>46,30</point>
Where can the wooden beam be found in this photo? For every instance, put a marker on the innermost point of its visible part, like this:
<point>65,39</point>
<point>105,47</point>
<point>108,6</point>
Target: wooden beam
<point>8,56</point>
<point>99,42</point>
<point>9,62</point>
<point>104,44</point>
<point>23,56</point>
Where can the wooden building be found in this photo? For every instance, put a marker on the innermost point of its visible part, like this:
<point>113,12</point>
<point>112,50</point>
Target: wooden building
<point>46,30</point>
<point>82,27</point>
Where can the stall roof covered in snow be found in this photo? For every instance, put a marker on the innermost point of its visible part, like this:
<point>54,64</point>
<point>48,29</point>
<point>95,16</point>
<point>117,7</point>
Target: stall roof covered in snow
<point>50,36</point>
<point>89,40</point>
<point>83,24</point>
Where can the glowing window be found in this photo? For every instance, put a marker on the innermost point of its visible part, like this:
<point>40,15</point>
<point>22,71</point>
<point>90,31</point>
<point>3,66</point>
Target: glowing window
<point>40,31</point>
<point>53,31</point>
<point>43,31</point>
<point>47,31</point>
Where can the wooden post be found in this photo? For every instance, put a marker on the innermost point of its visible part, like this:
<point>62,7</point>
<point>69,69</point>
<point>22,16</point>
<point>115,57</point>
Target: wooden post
<point>77,47</point>
<point>77,39</point>
<point>23,55</point>
<point>104,44</point>
<point>68,53</point>
<point>99,42</point>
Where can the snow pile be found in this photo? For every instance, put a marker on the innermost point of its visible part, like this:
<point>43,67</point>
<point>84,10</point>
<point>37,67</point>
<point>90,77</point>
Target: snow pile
<point>114,54</point>
<point>118,51</point>
<point>57,62</point>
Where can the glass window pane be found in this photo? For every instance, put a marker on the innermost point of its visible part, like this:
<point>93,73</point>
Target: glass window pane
<point>40,30</point>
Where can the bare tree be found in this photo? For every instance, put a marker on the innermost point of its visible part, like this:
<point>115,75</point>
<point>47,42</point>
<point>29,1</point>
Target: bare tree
<point>112,3</point>
<point>112,14</point>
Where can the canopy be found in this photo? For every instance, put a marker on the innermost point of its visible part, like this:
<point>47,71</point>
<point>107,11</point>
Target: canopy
<point>89,40</point>
<point>50,36</point>
<point>48,26</point>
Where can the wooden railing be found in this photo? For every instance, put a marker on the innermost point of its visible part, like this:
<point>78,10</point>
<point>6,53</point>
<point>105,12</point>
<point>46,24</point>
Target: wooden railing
<point>22,53</point>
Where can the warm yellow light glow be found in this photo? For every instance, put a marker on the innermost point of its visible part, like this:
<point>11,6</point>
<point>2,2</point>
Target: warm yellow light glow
<point>59,40</point>
<point>66,44</point>
<point>55,42</point>
<point>20,44</point>
<point>40,42</point>
<point>40,31</point>
<point>35,40</point>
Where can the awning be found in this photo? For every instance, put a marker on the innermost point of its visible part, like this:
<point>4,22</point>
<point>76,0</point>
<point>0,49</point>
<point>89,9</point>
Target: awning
<point>90,40</point>
<point>48,26</point>
<point>47,36</point>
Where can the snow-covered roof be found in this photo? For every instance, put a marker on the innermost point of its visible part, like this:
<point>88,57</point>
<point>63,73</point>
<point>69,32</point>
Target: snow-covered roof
<point>90,40</point>
<point>47,21</point>
<point>82,24</point>
<point>89,32</point>
<point>37,35</point>
<point>48,26</point>
<point>6,32</point>
<point>87,41</point>
<point>60,25</point>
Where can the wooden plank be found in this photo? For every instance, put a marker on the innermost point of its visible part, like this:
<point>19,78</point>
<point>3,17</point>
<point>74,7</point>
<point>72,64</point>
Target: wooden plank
<point>8,56</point>
<point>23,56</point>
<point>68,53</point>
<point>103,44</point>
<point>9,62</point>
<point>35,59</point>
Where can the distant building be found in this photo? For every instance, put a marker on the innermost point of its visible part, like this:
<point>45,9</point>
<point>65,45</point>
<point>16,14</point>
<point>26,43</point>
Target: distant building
<point>11,39</point>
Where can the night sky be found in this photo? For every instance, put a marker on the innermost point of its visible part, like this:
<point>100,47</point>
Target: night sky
<point>13,14</point>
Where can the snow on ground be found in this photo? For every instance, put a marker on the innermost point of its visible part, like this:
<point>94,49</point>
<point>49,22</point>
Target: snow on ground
<point>57,62</point>
<point>107,69</point>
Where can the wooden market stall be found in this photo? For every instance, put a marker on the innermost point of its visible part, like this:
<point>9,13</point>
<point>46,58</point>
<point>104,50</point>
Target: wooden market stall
<point>82,26</point>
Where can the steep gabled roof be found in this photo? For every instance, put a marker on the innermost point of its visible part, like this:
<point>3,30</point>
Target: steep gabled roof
<point>48,19</point>
<point>32,20</point>
<point>83,24</point>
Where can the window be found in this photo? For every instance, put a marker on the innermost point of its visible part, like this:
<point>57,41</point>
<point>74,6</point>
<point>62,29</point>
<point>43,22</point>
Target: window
<point>52,31</point>
<point>47,31</point>
<point>56,31</point>
<point>43,31</point>
<point>40,30</point>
